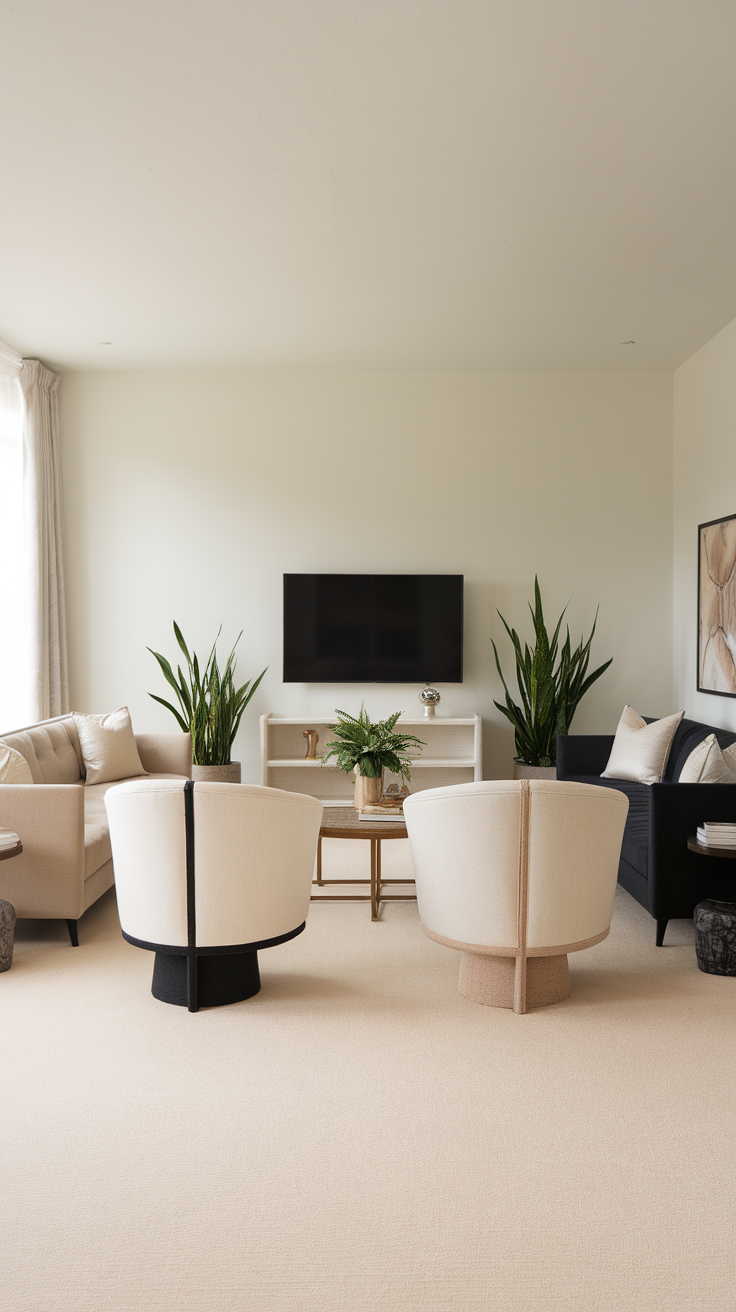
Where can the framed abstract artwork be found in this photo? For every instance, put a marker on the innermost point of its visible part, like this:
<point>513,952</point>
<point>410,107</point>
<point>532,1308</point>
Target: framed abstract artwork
<point>717,607</point>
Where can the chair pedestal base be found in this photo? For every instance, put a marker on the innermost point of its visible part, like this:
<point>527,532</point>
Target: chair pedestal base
<point>490,980</point>
<point>228,977</point>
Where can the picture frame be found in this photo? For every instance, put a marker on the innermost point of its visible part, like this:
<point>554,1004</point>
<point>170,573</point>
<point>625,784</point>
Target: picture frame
<point>716,634</point>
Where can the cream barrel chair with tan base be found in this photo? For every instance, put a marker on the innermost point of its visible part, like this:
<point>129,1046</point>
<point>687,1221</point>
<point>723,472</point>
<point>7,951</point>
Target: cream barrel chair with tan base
<point>516,875</point>
<point>207,875</point>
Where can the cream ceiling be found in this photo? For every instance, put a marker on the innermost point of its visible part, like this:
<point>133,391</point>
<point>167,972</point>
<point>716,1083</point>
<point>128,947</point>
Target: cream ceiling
<point>401,183</point>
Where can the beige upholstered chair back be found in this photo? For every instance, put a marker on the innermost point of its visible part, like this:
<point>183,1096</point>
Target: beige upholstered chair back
<point>254,852</point>
<point>519,869</point>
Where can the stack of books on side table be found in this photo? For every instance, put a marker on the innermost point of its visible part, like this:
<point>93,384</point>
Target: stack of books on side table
<point>720,834</point>
<point>384,812</point>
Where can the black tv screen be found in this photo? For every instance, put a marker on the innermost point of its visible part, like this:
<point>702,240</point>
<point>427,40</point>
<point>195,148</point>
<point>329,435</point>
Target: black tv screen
<point>373,628</point>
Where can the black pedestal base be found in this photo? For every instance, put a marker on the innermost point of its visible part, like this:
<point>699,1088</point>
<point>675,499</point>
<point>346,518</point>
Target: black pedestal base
<point>715,937</point>
<point>228,977</point>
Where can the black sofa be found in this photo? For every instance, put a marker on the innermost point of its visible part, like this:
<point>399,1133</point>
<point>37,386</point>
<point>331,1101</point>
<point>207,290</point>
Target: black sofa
<point>656,866</point>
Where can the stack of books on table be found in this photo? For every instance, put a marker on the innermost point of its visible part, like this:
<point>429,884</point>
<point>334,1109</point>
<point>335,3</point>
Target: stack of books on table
<point>384,813</point>
<point>720,834</point>
<point>8,839</point>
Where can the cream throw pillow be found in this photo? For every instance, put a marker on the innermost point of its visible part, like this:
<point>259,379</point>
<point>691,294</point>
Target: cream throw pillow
<point>640,750</point>
<point>108,746</point>
<point>708,764</point>
<point>14,768</point>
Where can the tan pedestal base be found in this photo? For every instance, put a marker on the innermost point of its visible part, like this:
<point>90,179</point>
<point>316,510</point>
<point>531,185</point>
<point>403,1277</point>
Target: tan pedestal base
<point>492,980</point>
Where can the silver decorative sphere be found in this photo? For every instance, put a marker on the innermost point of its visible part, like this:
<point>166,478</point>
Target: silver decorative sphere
<point>429,697</point>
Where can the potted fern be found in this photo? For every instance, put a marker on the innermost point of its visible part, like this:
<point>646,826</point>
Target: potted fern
<point>367,749</point>
<point>211,708</point>
<point>552,682</point>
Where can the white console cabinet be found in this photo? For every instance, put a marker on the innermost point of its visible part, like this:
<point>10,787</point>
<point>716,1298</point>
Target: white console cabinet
<point>452,754</point>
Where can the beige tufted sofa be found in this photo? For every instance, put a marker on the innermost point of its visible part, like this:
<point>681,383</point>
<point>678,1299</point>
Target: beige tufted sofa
<point>66,862</point>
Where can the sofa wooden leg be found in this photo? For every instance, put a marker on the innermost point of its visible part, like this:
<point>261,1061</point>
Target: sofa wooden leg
<point>72,927</point>
<point>661,927</point>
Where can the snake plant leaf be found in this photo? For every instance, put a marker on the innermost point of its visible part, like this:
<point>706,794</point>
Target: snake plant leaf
<point>182,644</point>
<point>174,712</point>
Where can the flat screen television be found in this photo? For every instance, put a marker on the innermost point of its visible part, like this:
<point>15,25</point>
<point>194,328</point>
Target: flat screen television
<point>373,628</point>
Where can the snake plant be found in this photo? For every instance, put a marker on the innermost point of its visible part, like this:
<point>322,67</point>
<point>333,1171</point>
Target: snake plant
<point>211,707</point>
<point>550,688</point>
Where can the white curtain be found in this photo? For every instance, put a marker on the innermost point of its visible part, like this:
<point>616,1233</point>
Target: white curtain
<point>14,685</point>
<point>48,691</point>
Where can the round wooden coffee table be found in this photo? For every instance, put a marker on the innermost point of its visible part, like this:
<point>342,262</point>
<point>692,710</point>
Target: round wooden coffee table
<point>345,822</point>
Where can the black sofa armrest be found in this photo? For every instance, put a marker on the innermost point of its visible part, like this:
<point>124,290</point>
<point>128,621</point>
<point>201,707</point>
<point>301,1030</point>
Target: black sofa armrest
<point>678,878</point>
<point>582,754</point>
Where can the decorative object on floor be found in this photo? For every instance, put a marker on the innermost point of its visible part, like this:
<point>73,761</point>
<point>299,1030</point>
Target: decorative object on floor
<point>717,606</point>
<point>368,749</point>
<point>206,877</point>
<point>641,751</point>
<point>7,934</point>
<point>515,875</point>
<point>550,689</point>
<point>10,845</point>
<point>715,937</point>
<point>345,822</point>
<point>211,708</point>
<point>429,697</point>
<point>312,738</point>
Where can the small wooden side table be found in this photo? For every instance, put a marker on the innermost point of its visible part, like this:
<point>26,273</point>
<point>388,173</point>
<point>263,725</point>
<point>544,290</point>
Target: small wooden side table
<point>345,822</point>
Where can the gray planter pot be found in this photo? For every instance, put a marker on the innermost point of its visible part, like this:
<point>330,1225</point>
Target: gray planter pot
<point>217,774</point>
<point>522,771</point>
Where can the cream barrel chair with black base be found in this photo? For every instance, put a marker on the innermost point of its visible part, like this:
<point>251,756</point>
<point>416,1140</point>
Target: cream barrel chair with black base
<point>516,875</point>
<point>207,875</point>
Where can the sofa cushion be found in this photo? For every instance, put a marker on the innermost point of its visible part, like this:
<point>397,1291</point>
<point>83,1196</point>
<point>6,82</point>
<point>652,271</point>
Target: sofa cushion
<point>14,768</point>
<point>708,763</point>
<point>687,738</point>
<point>97,848</point>
<point>108,746</point>
<point>640,751</point>
<point>51,750</point>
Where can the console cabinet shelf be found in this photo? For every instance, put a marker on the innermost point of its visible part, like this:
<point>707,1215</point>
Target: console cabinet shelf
<point>452,754</point>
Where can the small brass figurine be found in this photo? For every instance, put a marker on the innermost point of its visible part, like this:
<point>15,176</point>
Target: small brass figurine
<point>312,738</point>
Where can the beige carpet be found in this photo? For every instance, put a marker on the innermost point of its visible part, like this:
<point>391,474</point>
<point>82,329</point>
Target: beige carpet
<point>359,1136</point>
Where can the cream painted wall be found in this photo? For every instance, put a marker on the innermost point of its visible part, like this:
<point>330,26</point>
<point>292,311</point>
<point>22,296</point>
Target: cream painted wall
<point>705,489</point>
<point>189,494</point>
